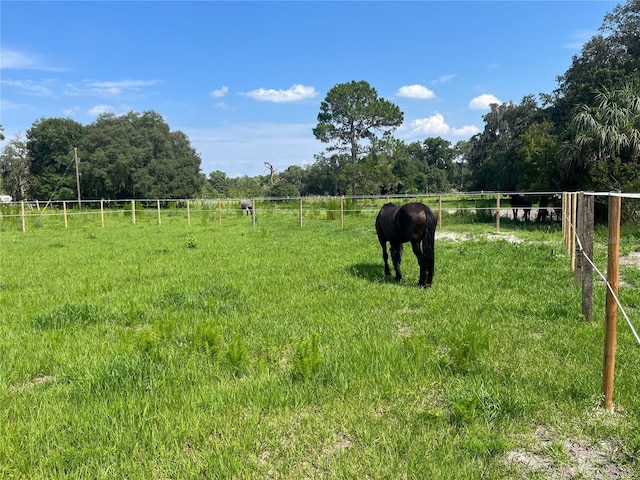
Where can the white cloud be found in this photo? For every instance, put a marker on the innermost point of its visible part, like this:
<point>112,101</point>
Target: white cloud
<point>415,91</point>
<point>108,88</point>
<point>219,93</point>
<point>100,109</point>
<point>466,131</point>
<point>295,93</point>
<point>16,60</point>
<point>444,79</point>
<point>482,102</point>
<point>433,125</point>
<point>578,39</point>
<point>30,87</point>
<point>436,125</point>
<point>71,112</point>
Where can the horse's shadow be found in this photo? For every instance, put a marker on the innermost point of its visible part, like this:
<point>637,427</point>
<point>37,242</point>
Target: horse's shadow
<point>371,272</point>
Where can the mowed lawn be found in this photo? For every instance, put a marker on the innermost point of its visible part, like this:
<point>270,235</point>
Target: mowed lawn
<point>280,351</point>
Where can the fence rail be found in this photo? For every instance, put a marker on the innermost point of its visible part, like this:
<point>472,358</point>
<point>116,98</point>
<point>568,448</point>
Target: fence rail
<point>489,206</point>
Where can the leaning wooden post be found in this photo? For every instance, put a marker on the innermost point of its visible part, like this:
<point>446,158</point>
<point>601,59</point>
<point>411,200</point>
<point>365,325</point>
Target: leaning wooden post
<point>24,224</point>
<point>572,239</point>
<point>587,251</point>
<point>613,257</point>
<point>579,235</point>
<point>498,214</point>
<point>253,212</point>
<point>133,212</point>
<point>300,212</point>
<point>565,237</point>
<point>64,213</point>
<point>342,211</point>
<point>102,212</point>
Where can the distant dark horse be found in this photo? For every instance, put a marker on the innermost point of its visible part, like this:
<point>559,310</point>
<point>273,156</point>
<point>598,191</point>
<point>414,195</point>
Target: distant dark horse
<point>415,223</point>
<point>517,202</point>
<point>246,204</point>
<point>543,209</point>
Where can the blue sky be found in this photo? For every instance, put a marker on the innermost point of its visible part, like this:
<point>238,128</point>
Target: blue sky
<point>244,80</point>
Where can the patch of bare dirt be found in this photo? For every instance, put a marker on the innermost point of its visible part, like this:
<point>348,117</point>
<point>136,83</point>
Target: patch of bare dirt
<point>32,383</point>
<point>457,237</point>
<point>569,459</point>
<point>631,260</point>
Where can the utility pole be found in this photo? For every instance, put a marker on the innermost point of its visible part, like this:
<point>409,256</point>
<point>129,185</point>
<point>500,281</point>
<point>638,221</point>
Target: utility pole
<point>75,156</point>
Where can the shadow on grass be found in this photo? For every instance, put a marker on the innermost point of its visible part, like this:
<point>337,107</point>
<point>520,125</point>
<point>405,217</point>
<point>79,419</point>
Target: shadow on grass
<point>372,272</point>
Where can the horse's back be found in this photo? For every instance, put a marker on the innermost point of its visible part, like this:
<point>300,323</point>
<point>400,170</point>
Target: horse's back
<point>410,222</point>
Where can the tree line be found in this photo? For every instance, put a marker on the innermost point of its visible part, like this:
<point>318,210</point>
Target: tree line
<point>583,135</point>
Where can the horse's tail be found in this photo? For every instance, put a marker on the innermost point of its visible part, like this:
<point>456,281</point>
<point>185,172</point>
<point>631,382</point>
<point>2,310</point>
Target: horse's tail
<point>428,242</point>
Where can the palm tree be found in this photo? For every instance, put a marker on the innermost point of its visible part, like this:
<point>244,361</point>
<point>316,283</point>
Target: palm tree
<point>607,132</point>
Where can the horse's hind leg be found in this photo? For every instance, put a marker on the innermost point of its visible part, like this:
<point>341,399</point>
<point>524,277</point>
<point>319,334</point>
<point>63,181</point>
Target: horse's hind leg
<point>385,258</point>
<point>425,278</point>
<point>396,257</point>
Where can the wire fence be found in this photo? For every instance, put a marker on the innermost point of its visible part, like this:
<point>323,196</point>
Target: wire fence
<point>485,207</point>
<point>578,229</point>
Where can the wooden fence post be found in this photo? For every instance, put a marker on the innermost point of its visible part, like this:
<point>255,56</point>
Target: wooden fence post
<point>342,211</point>
<point>565,211</point>
<point>24,225</point>
<point>498,214</point>
<point>572,231</point>
<point>64,213</point>
<point>587,251</point>
<point>158,208</point>
<point>188,213</point>
<point>253,212</point>
<point>133,212</point>
<point>102,212</point>
<point>219,213</point>
<point>440,210</point>
<point>613,257</point>
<point>300,213</point>
<point>579,233</point>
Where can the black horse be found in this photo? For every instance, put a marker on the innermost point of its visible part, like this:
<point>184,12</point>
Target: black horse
<point>415,223</point>
<point>517,202</point>
<point>543,209</point>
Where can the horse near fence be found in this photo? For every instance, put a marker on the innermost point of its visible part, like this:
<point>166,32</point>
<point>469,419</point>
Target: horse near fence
<point>246,205</point>
<point>415,223</point>
<point>519,202</point>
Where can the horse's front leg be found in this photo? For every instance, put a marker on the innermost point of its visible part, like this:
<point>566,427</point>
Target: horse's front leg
<point>396,257</point>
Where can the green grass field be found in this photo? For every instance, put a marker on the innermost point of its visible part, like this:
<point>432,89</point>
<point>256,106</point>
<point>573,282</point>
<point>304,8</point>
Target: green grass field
<point>279,351</point>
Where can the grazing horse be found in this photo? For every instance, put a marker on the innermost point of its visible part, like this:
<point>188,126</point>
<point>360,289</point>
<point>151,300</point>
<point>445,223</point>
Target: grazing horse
<point>543,209</point>
<point>246,204</point>
<point>517,202</point>
<point>415,223</point>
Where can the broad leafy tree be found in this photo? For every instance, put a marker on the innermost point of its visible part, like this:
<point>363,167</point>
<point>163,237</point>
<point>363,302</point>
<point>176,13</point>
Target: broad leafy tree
<point>50,144</point>
<point>350,114</point>
<point>492,156</point>
<point>14,168</point>
<point>137,156</point>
